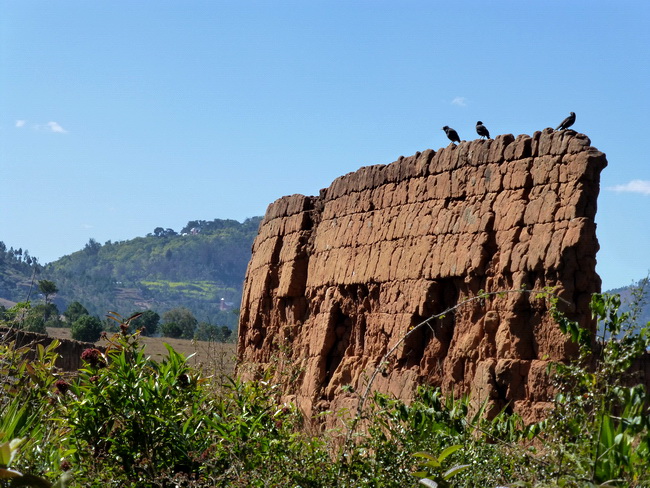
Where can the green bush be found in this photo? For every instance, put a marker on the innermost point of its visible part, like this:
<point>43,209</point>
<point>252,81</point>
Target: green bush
<point>179,322</point>
<point>171,329</point>
<point>215,333</point>
<point>601,420</point>
<point>34,323</point>
<point>143,417</point>
<point>86,328</point>
<point>148,322</point>
<point>74,311</point>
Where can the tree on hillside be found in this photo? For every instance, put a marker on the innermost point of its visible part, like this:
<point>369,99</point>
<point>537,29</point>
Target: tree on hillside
<point>148,323</point>
<point>92,246</point>
<point>74,311</point>
<point>47,288</point>
<point>160,232</point>
<point>179,322</point>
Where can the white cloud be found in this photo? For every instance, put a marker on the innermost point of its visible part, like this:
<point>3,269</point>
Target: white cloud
<point>459,101</point>
<point>55,127</point>
<point>49,127</point>
<point>634,186</point>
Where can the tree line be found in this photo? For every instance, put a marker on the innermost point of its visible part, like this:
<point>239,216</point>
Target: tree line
<point>178,322</point>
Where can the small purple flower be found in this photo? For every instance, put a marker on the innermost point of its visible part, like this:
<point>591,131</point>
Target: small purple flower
<point>65,465</point>
<point>93,357</point>
<point>184,380</point>
<point>62,386</point>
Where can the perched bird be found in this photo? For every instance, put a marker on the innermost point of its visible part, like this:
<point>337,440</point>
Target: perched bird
<point>568,122</point>
<point>481,130</point>
<point>451,134</point>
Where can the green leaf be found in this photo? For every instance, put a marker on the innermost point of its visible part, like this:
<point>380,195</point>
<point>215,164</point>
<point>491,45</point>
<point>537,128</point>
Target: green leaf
<point>428,482</point>
<point>426,455</point>
<point>8,451</point>
<point>5,454</point>
<point>454,471</point>
<point>448,451</point>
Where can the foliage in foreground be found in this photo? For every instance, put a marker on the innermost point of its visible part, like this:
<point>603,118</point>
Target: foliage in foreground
<point>125,420</point>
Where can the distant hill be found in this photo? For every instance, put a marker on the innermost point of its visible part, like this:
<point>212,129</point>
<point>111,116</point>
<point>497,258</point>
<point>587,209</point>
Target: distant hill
<point>636,291</point>
<point>202,267</point>
<point>16,270</point>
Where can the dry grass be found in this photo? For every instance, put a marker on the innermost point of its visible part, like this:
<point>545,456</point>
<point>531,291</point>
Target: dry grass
<point>214,358</point>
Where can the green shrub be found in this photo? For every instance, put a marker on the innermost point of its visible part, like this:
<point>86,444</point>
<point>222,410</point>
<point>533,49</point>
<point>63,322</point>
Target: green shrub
<point>86,328</point>
<point>74,311</point>
<point>148,322</point>
<point>144,418</point>
<point>601,420</point>
<point>179,322</point>
<point>172,330</point>
<point>215,333</point>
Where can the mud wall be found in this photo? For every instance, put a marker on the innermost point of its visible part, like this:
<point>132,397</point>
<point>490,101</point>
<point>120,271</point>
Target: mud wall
<point>69,351</point>
<point>335,280</point>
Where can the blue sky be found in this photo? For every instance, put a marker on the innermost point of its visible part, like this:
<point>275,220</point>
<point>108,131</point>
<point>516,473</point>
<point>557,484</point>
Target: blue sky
<point>118,117</point>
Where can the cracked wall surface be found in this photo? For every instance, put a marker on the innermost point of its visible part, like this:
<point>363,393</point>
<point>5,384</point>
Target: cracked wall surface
<point>335,280</point>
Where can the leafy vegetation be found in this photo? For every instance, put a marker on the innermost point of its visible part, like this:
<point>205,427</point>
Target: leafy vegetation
<point>33,319</point>
<point>179,323</point>
<point>86,328</point>
<point>126,420</point>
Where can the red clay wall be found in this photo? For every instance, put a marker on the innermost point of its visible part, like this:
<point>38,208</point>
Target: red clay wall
<point>336,279</point>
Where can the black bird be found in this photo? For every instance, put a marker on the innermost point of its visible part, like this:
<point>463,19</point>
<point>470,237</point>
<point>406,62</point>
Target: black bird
<point>481,130</point>
<point>568,122</point>
<point>451,134</point>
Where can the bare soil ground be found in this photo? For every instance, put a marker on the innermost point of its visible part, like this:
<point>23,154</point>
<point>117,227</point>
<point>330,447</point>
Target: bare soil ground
<point>211,357</point>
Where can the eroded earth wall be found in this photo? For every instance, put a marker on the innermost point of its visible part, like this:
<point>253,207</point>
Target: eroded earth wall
<point>335,280</point>
<point>69,351</point>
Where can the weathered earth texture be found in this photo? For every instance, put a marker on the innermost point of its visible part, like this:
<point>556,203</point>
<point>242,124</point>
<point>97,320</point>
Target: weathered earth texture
<point>337,279</point>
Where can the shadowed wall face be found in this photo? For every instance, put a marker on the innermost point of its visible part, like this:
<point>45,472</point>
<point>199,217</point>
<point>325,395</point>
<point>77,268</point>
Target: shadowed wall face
<point>337,279</point>
<point>69,351</point>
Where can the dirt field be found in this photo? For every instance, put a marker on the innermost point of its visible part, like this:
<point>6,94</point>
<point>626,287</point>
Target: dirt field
<point>212,357</point>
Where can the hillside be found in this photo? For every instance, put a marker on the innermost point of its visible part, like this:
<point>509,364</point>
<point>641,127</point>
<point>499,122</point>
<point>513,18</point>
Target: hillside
<point>16,270</point>
<point>635,298</point>
<point>201,267</point>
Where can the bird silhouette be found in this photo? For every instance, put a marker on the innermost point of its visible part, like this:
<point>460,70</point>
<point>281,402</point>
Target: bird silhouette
<point>481,130</point>
<point>451,134</point>
<point>568,122</point>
